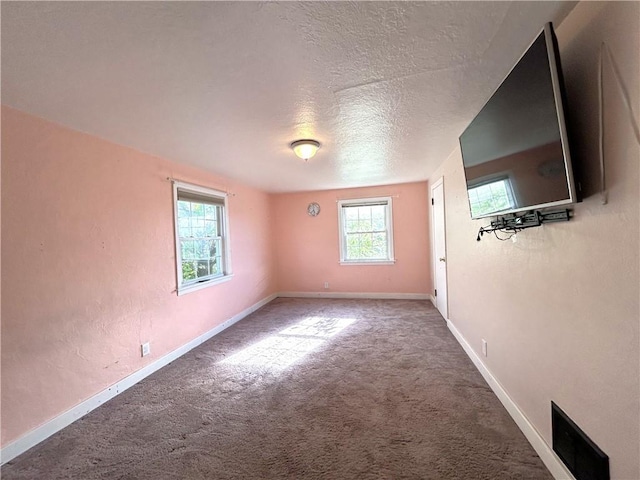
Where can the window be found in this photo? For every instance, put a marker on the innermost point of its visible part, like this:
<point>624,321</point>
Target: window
<point>366,230</point>
<point>202,239</point>
<point>491,197</point>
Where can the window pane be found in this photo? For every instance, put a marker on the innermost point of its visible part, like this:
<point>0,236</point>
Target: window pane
<point>353,253</point>
<point>379,249</point>
<point>351,226</point>
<point>379,218</point>
<point>210,228</point>
<point>202,268</point>
<point>184,227</point>
<point>197,227</point>
<point>184,209</point>
<point>197,209</point>
<point>351,213</point>
<point>365,225</point>
<point>187,249</point>
<point>201,258</point>
<point>379,225</point>
<point>203,248</point>
<point>191,219</point>
<point>216,265</point>
<point>210,212</point>
<point>378,212</point>
<point>353,247</point>
<point>366,245</point>
<point>188,271</point>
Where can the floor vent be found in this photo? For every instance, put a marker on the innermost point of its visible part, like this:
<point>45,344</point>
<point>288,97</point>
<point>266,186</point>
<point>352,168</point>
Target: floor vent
<point>582,457</point>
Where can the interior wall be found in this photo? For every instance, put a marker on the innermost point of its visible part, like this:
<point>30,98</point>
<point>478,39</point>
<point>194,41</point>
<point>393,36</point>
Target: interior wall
<point>560,307</point>
<point>308,251</point>
<point>88,266</point>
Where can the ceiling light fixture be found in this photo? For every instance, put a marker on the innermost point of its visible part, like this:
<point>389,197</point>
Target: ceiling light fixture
<point>305,149</point>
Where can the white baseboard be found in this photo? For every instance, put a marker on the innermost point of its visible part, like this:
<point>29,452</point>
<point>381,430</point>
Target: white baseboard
<point>544,451</point>
<point>387,296</point>
<point>44,431</point>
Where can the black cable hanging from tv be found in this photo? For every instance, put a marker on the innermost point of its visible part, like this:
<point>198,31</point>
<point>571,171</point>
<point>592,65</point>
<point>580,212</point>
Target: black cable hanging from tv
<point>514,223</point>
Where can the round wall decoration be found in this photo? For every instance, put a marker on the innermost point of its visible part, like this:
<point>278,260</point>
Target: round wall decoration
<point>313,209</point>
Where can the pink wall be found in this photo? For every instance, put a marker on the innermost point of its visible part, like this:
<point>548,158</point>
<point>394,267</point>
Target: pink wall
<point>559,308</point>
<point>88,258</point>
<point>307,248</point>
<point>88,266</point>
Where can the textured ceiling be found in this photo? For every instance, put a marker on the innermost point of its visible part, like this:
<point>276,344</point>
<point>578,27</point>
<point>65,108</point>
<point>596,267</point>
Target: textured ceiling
<point>386,87</point>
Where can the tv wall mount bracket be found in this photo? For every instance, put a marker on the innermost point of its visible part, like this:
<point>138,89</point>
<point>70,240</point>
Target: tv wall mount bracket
<point>514,223</point>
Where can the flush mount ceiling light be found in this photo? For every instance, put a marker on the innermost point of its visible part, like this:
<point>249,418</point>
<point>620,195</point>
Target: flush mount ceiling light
<point>305,149</point>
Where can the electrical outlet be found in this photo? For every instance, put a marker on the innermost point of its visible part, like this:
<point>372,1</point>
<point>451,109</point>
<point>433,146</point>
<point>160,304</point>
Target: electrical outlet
<point>145,349</point>
<point>484,347</point>
<point>326,285</point>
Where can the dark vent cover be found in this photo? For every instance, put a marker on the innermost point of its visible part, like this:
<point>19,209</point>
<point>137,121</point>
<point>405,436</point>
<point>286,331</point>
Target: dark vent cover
<point>582,457</point>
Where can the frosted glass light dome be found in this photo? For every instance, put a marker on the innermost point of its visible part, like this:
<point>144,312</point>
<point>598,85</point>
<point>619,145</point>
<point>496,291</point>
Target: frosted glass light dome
<point>305,149</point>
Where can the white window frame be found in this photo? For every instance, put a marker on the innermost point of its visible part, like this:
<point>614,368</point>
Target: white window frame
<point>390,260</point>
<point>223,224</point>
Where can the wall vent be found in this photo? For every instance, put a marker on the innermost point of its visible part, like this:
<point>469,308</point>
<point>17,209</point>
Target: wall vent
<point>582,457</point>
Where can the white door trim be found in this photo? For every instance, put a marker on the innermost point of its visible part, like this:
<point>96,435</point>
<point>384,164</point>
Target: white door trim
<point>434,259</point>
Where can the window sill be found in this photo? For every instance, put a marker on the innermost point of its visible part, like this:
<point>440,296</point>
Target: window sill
<point>364,262</point>
<point>193,287</point>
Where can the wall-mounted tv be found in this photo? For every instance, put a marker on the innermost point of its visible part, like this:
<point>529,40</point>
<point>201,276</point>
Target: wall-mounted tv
<point>516,151</point>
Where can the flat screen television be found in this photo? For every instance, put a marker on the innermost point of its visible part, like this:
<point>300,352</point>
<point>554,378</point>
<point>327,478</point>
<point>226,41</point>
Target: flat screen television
<point>516,151</point>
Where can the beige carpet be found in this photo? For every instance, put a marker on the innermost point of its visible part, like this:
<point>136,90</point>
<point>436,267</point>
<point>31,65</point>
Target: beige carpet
<point>302,389</point>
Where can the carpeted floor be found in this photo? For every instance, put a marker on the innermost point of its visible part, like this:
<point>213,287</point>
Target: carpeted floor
<point>302,389</point>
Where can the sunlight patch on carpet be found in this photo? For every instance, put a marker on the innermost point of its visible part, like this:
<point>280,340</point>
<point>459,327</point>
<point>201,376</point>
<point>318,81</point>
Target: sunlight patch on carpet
<point>318,327</point>
<point>290,345</point>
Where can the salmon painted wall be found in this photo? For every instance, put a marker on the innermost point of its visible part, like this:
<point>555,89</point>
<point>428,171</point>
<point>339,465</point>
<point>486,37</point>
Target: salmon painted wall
<point>88,266</point>
<point>560,307</point>
<point>308,252</point>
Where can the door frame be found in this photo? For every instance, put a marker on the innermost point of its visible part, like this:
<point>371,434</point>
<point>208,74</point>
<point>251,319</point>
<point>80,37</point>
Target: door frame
<point>434,260</point>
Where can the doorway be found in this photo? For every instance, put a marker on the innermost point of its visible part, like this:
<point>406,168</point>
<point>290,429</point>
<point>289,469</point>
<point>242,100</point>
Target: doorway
<point>439,258</point>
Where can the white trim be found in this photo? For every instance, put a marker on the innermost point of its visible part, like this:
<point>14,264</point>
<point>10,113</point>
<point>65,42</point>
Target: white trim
<point>192,287</point>
<point>370,262</point>
<point>199,189</point>
<point>438,182</point>
<point>387,296</point>
<point>544,451</point>
<point>182,289</point>
<point>56,424</point>
<point>388,203</point>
